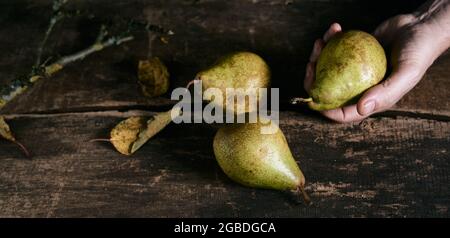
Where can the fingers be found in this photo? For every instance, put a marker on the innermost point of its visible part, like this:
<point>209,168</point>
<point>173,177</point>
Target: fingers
<point>344,114</point>
<point>333,30</point>
<point>383,96</point>
<point>311,66</point>
<point>320,43</point>
<point>317,49</point>
<point>380,97</point>
<point>309,76</point>
<point>381,33</point>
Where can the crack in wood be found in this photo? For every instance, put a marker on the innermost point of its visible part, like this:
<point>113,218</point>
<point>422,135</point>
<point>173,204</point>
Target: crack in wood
<point>139,110</point>
<point>413,114</point>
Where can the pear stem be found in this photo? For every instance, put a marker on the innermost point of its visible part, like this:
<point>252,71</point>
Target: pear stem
<point>301,100</point>
<point>190,83</point>
<point>23,148</point>
<point>301,191</point>
<point>102,140</point>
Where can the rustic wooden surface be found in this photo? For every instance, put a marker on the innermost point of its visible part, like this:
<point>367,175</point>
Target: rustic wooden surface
<point>392,165</point>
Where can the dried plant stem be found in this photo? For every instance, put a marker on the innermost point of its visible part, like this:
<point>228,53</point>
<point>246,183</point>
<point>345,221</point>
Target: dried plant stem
<point>300,100</point>
<point>47,71</point>
<point>59,16</point>
<point>92,49</point>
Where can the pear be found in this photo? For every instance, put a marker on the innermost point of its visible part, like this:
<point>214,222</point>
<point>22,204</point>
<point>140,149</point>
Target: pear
<point>348,65</point>
<point>239,70</point>
<point>258,160</point>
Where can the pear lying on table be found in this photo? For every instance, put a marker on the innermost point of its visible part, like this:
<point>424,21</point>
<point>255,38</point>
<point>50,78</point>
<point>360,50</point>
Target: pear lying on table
<point>244,70</point>
<point>239,70</point>
<point>258,160</point>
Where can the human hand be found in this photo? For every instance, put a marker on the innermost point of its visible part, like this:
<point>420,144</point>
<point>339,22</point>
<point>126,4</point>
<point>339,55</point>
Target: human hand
<point>415,41</point>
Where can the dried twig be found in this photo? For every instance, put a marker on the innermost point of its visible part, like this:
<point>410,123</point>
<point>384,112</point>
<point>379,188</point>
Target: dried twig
<point>42,70</point>
<point>57,16</point>
<point>19,86</point>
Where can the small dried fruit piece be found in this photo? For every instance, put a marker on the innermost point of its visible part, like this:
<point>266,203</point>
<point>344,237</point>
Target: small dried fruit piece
<point>153,77</point>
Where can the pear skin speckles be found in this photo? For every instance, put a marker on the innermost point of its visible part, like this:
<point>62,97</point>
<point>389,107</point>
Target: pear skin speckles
<point>257,160</point>
<point>240,70</point>
<point>350,63</point>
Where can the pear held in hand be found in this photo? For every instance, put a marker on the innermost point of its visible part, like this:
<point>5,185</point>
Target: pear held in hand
<point>350,63</point>
<point>258,160</point>
<point>239,70</point>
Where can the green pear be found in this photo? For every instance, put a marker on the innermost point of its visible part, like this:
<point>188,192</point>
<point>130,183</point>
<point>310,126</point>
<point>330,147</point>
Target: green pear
<point>348,65</point>
<point>243,70</point>
<point>258,160</point>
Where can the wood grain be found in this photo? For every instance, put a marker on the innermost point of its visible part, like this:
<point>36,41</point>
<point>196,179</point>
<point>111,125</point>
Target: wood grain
<point>384,167</point>
<point>392,165</point>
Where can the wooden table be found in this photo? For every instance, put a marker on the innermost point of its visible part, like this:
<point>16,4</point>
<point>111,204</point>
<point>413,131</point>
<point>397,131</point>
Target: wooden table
<point>395,164</point>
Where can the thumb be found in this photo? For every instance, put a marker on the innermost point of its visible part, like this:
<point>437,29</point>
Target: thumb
<point>383,96</point>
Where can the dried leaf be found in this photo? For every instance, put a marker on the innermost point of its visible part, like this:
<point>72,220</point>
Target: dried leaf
<point>5,131</point>
<point>131,134</point>
<point>124,134</point>
<point>153,77</point>
<point>154,125</point>
<point>164,40</point>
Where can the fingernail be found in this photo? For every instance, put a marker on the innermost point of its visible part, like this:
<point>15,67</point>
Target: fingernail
<point>368,107</point>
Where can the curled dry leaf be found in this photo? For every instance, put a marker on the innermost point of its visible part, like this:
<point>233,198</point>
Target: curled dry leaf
<point>5,132</point>
<point>154,125</point>
<point>124,134</point>
<point>153,77</point>
<point>132,133</point>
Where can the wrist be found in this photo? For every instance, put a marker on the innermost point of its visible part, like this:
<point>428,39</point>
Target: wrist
<point>435,14</point>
